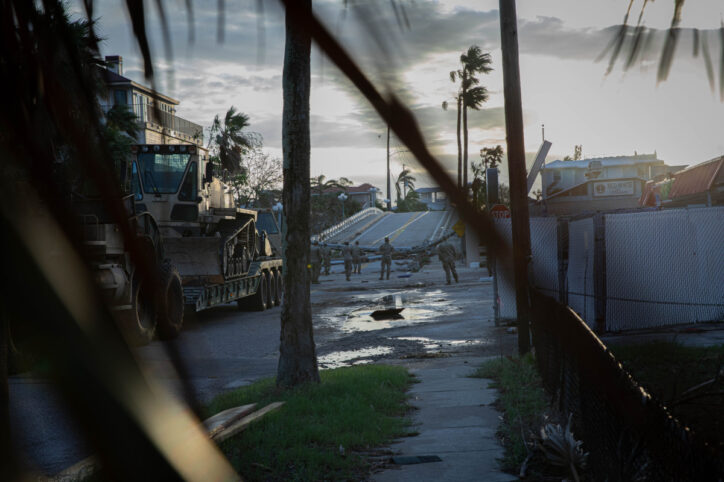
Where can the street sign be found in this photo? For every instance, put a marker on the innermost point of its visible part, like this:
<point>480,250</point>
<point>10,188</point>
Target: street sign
<point>459,228</point>
<point>500,211</point>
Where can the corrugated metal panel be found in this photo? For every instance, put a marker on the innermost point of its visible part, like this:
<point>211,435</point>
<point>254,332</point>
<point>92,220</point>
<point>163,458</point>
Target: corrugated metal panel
<point>696,179</point>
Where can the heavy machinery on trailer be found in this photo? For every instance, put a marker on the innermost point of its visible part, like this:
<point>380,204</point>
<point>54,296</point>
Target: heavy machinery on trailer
<point>207,252</point>
<point>216,247</point>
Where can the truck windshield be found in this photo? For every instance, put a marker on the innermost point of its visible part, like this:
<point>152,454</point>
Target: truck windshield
<point>135,185</point>
<point>162,173</point>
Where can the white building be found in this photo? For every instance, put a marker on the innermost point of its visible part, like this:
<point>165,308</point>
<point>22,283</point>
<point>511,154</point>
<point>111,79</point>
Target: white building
<point>599,184</point>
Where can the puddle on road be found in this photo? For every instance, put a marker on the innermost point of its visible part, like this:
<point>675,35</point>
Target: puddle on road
<point>434,345</point>
<point>418,307</point>
<point>339,359</point>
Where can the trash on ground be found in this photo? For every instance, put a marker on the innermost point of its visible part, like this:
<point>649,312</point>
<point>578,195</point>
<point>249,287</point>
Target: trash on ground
<point>404,275</point>
<point>387,314</point>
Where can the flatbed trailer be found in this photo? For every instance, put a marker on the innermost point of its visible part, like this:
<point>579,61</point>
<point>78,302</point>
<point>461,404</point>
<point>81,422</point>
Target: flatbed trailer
<point>259,289</point>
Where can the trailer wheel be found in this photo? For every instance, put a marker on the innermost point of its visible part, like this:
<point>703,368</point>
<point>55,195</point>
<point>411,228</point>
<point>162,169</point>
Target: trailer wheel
<point>139,323</point>
<point>272,293</point>
<point>279,281</point>
<point>258,301</point>
<point>170,302</point>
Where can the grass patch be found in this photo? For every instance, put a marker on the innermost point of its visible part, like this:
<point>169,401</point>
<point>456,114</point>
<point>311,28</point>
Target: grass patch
<point>668,369</point>
<point>522,401</point>
<point>358,408</point>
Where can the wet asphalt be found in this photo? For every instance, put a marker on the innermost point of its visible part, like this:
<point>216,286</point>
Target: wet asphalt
<point>226,348</point>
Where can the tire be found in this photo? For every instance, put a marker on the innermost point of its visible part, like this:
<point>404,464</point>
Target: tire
<point>259,299</point>
<point>170,302</point>
<point>272,291</point>
<point>139,323</point>
<point>279,292</point>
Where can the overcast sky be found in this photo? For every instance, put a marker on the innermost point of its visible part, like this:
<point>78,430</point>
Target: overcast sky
<point>563,86</point>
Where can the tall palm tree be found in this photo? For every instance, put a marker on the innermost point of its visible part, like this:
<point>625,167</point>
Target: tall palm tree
<point>230,138</point>
<point>404,179</point>
<point>297,351</point>
<point>458,102</point>
<point>473,62</point>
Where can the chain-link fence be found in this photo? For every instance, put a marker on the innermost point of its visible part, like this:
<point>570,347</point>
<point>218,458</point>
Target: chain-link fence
<point>628,435</point>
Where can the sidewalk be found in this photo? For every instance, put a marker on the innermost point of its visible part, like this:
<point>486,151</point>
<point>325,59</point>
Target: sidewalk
<point>456,421</point>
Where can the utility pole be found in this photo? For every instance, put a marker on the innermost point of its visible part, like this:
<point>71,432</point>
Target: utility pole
<point>389,194</point>
<point>516,168</point>
<point>404,184</point>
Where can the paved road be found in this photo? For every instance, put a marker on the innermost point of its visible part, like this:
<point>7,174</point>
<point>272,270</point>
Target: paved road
<point>353,230</point>
<point>404,229</point>
<point>226,348</point>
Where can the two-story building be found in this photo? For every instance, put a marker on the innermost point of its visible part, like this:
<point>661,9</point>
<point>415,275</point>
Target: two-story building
<point>434,198</point>
<point>599,184</point>
<point>156,112</point>
<point>365,194</point>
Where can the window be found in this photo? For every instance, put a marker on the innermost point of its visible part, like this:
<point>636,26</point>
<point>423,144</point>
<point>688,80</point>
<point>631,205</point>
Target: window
<point>135,183</point>
<point>162,173</point>
<point>189,189</point>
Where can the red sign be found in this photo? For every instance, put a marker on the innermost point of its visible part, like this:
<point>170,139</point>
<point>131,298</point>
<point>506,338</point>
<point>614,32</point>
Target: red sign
<point>500,211</point>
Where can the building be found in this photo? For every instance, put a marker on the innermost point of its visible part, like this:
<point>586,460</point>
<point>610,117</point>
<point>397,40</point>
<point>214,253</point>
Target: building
<point>156,112</point>
<point>434,198</point>
<point>365,194</point>
<point>699,185</point>
<point>599,184</point>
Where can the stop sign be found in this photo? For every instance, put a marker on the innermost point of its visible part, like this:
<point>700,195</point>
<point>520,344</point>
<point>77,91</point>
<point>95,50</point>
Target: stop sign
<point>500,211</point>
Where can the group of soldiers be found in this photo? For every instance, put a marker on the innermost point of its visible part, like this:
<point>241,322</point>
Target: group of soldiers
<point>321,256</point>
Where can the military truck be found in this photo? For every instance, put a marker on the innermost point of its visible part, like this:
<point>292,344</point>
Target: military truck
<point>207,252</point>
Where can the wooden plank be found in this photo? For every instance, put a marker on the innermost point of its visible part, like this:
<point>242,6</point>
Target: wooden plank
<point>214,425</point>
<point>78,471</point>
<point>242,424</point>
<point>222,420</point>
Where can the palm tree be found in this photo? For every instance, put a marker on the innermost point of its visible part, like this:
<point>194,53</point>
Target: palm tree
<point>321,184</point>
<point>458,102</point>
<point>404,179</point>
<point>229,138</point>
<point>474,61</point>
<point>297,351</point>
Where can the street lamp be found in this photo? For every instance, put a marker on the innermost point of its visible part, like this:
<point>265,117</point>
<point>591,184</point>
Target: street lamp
<point>342,197</point>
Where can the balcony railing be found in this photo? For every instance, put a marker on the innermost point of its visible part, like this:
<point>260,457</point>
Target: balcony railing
<point>146,113</point>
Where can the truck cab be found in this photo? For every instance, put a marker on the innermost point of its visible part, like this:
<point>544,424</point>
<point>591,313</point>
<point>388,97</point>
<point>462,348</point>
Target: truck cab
<point>174,183</point>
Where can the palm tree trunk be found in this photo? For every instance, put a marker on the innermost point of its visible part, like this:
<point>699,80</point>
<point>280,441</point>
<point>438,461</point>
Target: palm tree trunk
<point>297,351</point>
<point>465,136</point>
<point>460,149</point>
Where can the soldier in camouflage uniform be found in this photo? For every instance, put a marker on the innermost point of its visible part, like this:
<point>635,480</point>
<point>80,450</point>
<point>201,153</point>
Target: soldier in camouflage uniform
<point>326,258</point>
<point>347,254</point>
<point>446,253</point>
<point>315,259</point>
<point>386,251</point>
<point>356,258</point>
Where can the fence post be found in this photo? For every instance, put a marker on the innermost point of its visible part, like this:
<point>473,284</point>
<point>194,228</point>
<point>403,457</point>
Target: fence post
<point>599,272</point>
<point>562,235</point>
